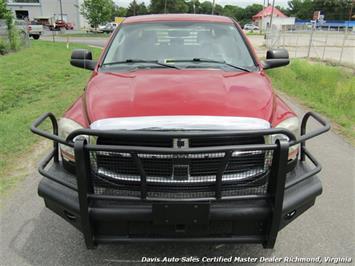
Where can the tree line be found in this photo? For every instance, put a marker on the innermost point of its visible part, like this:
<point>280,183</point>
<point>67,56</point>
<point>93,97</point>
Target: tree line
<point>100,11</point>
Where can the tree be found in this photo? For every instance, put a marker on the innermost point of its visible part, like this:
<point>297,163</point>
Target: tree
<point>302,9</point>
<point>4,12</point>
<point>143,10</point>
<point>132,9</point>
<point>206,7</point>
<point>97,11</point>
<point>333,9</point>
<point>194,6</point>
<point>135,9</point>
<point>252,10</point>
<point>249,12</point>
<point>218,10</point>
<point>119,12</point>
<point>235,12</point>
<point>172,6</point>
<point>12,32</point>
<point>283,10</point>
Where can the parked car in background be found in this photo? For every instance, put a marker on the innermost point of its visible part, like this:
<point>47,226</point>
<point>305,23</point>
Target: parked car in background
<point>61,24</point>
<point>35,29</point>
<point>32,29</point>
<point>92,29</point>
<point>250,27</point>
<point>109,27</point>
<point>179,136</point>
<point>69,26</point>
<point>100,28</point>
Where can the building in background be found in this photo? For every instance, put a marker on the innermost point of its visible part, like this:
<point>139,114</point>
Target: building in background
<point>279,19</point>
<point>49,10</point>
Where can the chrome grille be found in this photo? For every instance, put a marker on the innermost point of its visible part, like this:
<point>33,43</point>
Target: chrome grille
<point>183,174</point>
<point>183,168</point>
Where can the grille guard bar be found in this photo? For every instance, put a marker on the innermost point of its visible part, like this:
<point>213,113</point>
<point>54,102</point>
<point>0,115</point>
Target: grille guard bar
<point>113,133</point>
<point>292,141</point>
<point>276,186</point>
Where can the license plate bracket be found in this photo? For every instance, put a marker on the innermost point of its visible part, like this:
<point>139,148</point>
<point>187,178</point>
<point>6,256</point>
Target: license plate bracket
<point>181,213</point>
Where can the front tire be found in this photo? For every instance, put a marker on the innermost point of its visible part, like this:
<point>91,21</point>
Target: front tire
<point>36,37</point>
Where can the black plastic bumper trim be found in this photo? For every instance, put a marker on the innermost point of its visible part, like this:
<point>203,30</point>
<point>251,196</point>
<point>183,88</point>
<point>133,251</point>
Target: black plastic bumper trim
<point>304,191</point>
<point>232,239</point>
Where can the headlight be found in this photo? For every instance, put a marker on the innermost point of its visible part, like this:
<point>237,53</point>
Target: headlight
<point>291,124</point>
<point>66,126</point>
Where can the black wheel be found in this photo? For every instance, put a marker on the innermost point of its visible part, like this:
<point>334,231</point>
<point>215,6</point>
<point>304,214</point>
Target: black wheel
<point>36,37</point>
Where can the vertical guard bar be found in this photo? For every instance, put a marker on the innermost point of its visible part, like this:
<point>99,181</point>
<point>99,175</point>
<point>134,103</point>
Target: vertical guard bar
<point>276,189</point>
<point>142,174</point>
<point>55,132</point>
<point>303,131</point>
<point>220,172</point>
<point>82,163</point>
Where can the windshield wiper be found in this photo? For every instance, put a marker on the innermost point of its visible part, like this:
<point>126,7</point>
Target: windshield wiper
<point>204,60</point>
<point>133,61</point>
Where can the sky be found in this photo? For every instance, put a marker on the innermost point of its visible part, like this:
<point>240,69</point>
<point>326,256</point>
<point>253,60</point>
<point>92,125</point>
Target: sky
<point>241,3</point>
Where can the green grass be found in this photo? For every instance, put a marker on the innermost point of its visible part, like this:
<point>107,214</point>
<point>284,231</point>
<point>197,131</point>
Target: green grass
<point>85,34</point>
<point>327,89</point>
<point>256,32</point>
<point>33,81</point>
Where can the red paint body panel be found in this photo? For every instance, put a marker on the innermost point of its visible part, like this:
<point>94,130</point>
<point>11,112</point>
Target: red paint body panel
<point>281,111</point>
<point>179,92</point>
<point>77,112</point>
<point>177,17</point>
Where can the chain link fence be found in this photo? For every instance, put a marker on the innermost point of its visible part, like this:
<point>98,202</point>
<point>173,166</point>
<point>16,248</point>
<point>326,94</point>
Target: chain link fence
<point>15,38</point>
<point>332,45</point>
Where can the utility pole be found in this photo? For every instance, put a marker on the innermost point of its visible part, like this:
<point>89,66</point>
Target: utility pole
<point>351,11</point>
<point>262,18</point>
<point>350,16</point>
<point>165,5</point>
<point>134,7</point>
<point>346,31</point>
<point>61,9</point>
<point>213,3</point>
<point>272,12</point>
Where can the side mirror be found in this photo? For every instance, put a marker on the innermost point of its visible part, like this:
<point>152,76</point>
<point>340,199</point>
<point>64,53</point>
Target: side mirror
<point>82,58</point>
<point>276,58</point>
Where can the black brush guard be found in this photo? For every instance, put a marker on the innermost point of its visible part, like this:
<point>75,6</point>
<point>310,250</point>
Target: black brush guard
<point>218,218</point>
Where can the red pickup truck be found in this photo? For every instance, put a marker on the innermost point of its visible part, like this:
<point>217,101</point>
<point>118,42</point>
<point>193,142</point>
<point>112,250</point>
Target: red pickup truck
<point>179,136</point>
<point>61,24</point>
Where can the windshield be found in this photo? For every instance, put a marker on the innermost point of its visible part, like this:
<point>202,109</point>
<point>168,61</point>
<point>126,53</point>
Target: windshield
<point>215,45</point>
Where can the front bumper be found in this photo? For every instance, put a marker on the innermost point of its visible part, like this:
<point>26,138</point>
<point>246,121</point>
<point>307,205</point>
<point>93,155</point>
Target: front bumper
<point>238,221</point>
<point>248,218</point>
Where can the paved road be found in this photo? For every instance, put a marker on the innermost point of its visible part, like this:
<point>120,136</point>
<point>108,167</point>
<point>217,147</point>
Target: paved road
<point>32,235</point>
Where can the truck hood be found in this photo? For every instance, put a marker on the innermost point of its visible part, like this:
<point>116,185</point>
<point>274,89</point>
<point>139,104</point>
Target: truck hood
<point>179,93</point>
